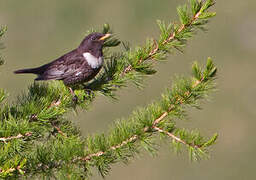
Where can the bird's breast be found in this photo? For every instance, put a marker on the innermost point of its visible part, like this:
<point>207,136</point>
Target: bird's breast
<point>93,61</point>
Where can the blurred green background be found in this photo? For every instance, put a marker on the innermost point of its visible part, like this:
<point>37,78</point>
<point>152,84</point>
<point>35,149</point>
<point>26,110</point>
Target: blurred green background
<point>40,31</point>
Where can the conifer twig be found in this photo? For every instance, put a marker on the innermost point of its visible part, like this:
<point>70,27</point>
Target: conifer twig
<point>154,126</point>
<point>59,131</point>
<point>100,153</point>
<point>19,136</point>
<point>169,39</point>
<point>135,137</point>
<point>182,27</point>
<point>174,137</point>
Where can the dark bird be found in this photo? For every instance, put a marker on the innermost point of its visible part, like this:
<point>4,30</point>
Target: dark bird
<point>78,66</point>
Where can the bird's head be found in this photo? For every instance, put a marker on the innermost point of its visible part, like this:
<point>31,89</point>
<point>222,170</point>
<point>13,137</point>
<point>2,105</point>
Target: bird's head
<point>93,43</point>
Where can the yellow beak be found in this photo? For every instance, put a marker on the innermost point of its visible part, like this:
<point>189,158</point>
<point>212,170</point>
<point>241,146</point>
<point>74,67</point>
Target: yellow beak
<point>105,37</point>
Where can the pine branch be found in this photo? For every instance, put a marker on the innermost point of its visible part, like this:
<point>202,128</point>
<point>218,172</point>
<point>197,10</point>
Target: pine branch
<point>127,137</point>
<point>132,65</point>
<point>187,24</point>
<point>174,137</point>
<point>179,101</point>
<point>16,137</point>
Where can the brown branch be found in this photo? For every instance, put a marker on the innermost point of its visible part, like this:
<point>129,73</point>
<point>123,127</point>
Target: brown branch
<point>100,153</point>
<point>125,142</point>
<point>158,120</point>
<point>198,82</point>
<point>88,157</point>
<point>131,139</point>
<point>19,136</point>
<point>153,52</point>
<point>55,103</point>
<point>129,67</point>
<point>135,137</point>
<point>33,117</point>
<point>59,131</point>
<point>10,170</point>
<point>174,137</point>
<point>146,129</point>
<point>169,39</point>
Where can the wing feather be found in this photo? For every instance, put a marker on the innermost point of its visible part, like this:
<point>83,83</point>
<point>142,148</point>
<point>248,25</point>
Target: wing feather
<point>63,67</point>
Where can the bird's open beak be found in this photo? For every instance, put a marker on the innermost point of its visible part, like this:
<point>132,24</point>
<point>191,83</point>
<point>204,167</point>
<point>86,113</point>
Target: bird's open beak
<point>104,37</point>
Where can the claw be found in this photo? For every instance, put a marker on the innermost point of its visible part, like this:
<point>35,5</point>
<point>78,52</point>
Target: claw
<point>74,98</point>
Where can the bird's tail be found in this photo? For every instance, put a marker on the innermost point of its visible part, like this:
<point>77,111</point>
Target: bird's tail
<point>30,70</point>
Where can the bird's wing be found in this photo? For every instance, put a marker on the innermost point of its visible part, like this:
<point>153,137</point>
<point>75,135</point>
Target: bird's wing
<point>65,66</point>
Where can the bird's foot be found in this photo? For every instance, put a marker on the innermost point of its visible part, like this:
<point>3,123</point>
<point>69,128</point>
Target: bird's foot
<point>87,90</point>
<point>75,99</point>
<point>74,96</point>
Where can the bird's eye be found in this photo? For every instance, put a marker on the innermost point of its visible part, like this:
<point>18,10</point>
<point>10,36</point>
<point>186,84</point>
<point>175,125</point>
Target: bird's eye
<point>93,38</point>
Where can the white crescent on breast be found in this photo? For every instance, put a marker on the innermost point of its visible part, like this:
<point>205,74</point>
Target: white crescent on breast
<point>92,60</point>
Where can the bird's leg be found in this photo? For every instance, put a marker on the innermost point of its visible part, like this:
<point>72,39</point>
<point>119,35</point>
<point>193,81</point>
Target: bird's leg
<point>74,96</point>
<point>87,89</point>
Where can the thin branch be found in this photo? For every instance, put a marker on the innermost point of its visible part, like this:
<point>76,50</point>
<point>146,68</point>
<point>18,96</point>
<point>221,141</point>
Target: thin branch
<point>154,126</point>
<point>59,131</point>
<point>131,139</point>
<point>19,136</point>
<point>88,157</point>
<point>169,39</point>
<point>10,170</point>
<point>55,103</point>
<point>100,153</point>
<point>174,137</point>
<point>158,120</point>
<point>7,171</point>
